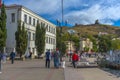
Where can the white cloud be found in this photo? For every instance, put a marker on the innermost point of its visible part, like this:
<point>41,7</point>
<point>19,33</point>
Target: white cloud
<point>106,14</point>
<point>76,11</point>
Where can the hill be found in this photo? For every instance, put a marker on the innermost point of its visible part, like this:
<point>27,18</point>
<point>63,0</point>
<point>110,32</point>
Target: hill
<point>94,29</point>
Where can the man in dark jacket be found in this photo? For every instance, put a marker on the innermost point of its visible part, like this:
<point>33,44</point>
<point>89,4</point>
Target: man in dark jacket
<point>48,57</point>
<point>12,57</point>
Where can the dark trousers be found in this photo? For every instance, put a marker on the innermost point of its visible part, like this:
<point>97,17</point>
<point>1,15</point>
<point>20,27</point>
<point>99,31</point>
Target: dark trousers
<point>74,63</point>
<point>0,65</point>
<point>12,61</point>
<point>47,63</point>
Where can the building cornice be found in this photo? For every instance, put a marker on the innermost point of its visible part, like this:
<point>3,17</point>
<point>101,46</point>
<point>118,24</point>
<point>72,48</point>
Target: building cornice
<point>21,6</point>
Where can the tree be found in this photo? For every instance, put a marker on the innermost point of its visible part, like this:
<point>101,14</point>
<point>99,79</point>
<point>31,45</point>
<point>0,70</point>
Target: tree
<point>104,43</point>
<point>3,31</point>
<point>21,39</point>
<point>76,40</point>
<point>60,41</point>
<point>63,50</point>
<point>93,39</point>
<point>40,38</point>
<point>116,44</point>
<point>58,38</point>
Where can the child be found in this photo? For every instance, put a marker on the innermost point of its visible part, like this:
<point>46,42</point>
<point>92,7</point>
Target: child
<point>63,63</point>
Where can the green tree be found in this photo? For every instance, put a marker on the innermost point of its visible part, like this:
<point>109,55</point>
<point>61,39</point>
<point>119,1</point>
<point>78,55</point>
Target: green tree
<point>58,38</point>
<point>40,38</point>
<point>116,44</point>
<point>3,31</point>
<point>104,43</point>
<point>76,40</point>
<point>94,41</point>
<point>60,41</point>
<point>21,39</point>
<point>63,48</point>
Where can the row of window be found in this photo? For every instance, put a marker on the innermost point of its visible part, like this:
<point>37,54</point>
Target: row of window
<point>50,40</point>
<point>32,21</point>
<point>31,36</point>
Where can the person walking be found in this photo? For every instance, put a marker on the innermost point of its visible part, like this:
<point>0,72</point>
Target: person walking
<point>75,58</point>
<point>48,57</point>
<point>0,62</point>
<point>30,56</point>
<point>4,57</point>
<point>56,57</point>
<point>12,57</point>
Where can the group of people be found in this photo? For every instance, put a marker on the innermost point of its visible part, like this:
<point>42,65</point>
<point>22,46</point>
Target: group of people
<point>3,57</point>
<point>56,58</point>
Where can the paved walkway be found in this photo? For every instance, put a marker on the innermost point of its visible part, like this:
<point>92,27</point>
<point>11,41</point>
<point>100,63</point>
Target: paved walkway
<point>87,74</point>
<point>30,70</point>
<point>35,70</point>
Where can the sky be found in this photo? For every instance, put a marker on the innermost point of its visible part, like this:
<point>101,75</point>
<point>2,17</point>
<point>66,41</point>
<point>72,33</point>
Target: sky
<point>75,11</point>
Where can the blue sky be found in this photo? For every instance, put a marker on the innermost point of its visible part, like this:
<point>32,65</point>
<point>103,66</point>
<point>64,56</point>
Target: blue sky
<point>75,11</point>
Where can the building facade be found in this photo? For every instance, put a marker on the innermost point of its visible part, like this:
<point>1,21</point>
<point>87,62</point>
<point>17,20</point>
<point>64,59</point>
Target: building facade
<point>70,47</point>
<point>17,13</point>
<point>85,43</point>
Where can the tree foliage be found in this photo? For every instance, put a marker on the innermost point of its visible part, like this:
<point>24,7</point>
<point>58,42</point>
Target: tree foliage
<point>60,41</point>
<point>3,31</point>
<point>104,43</point>
<point>116,44</point>
<point>21,39</point>
<point>40,38</point>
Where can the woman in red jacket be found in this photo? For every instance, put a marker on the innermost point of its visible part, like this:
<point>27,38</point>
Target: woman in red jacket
<point>75,58</point>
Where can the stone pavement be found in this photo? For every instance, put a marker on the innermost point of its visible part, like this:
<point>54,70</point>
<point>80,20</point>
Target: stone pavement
<point>35,70</point>
<point>86,73</point>
<point>30,70</point>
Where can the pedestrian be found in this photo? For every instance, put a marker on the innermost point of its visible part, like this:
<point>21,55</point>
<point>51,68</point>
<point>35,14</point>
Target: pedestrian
<point>4,57</point>
<point>0,62</point>
<point>63,63</point>
<point>30,56</point>
<point>12,57</point>
<point>56,57</point>
<point>75,59</point>
<point>48,57</point>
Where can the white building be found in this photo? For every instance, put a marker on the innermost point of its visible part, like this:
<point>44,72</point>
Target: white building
<point>17,13</point>
<point>86,43</point>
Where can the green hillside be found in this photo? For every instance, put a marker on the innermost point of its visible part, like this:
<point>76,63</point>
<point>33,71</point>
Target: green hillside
<point>94,29</point>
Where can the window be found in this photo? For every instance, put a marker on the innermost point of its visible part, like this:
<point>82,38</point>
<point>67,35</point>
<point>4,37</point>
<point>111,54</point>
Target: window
<point>49,40</point>
<point>33,22</point>
<point>29,35</point>
<point>54,30</point>
<point>33,50</point>
<point>25,18</point>
<point>33,36</point>
<point>37,21</point>
<point>49,28</point>
<point>29,20</point>
<point>13,17</point>
<point>46,39</point>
